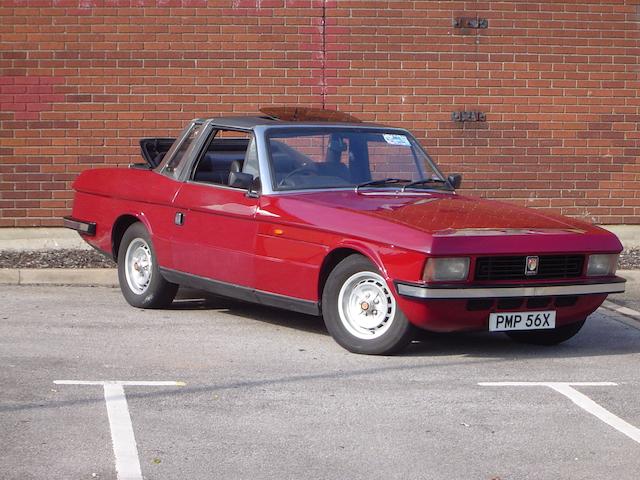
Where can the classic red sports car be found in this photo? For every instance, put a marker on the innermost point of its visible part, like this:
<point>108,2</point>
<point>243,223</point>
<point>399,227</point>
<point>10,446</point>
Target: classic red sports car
<point>347,220</point>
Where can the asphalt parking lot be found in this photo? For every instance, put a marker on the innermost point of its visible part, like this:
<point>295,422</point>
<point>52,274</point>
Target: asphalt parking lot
<point>255,393</point>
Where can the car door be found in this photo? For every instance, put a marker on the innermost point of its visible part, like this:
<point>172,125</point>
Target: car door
<point>215,229</point>
<point>289,251</point>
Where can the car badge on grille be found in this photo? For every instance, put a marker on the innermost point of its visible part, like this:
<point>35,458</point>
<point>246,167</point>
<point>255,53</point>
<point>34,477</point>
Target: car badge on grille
<point>531,267</point>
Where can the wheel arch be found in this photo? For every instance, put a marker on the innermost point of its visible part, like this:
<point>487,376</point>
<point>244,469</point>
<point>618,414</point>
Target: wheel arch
<point>119,227</point>
<point>335,256</point>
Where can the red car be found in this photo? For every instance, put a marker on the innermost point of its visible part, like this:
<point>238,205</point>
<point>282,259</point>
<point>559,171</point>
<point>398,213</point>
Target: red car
<point>347,220</point>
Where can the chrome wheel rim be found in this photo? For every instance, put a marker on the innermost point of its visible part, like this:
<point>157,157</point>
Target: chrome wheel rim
<point>138,266</point>
<point>366,305</point>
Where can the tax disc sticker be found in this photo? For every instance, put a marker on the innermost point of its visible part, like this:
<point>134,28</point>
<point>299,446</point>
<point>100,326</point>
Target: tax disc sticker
<point>396,139</point>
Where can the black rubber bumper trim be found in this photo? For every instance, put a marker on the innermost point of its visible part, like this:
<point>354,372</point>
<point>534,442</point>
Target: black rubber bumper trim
<point>82,227</point>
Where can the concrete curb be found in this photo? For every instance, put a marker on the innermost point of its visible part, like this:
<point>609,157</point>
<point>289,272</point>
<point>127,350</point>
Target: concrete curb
<point>629,235</point>
<point>632,276</point>
<point>105,277</point>
<point>108,277</point>
<point>22,239</point>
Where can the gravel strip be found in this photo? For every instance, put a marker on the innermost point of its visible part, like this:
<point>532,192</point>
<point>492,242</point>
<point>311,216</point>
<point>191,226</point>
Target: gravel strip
<point>629,259</point>
<point>55,259</point>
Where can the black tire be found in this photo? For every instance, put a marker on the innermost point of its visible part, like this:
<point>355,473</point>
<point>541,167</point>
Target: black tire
<point>139,290</point>
<point>547,337</point>
<point>357,274</point>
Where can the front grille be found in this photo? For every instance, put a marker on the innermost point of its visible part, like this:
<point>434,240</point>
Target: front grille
<point>512,268</point>
<point>509,303</point>
<point>568,301</point>
<point>531,303</point>
<point>478,304</point>
<point>538,302</point>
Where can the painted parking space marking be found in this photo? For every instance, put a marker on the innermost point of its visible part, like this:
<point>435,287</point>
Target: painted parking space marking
<point>125,383</point>
<point>581,400</point>
<point>619,317</point>
<point>125,449</point>
<point>629,312</point>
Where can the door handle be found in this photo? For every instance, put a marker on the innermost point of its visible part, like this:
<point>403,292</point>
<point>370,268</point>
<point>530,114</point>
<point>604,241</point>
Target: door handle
<point>179,219</point>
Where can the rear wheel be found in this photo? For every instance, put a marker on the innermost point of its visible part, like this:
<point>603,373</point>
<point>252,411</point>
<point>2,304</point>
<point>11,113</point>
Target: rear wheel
<point>361,312</point>
<point>138,273</point>
<point>547,337</point>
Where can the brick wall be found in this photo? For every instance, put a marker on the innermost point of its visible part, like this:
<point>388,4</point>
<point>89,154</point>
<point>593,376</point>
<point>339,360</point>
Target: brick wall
<point>82,80</point>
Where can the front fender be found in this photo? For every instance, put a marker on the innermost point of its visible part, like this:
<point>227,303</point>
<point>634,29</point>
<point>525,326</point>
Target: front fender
<point>393,263</point>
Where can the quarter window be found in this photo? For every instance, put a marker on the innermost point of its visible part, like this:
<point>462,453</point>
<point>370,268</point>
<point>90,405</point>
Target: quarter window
<point>251,160</point>
<point>177,157</point>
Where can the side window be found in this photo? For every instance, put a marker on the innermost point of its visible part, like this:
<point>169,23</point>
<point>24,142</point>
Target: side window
<point>177,157</point>
<point>225,153</point>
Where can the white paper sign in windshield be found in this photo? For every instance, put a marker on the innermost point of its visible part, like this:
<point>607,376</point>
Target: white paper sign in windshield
<point>396,139</point>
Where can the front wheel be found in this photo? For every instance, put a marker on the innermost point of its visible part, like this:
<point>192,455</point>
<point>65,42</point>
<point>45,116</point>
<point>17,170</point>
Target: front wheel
<point>547,337</point>
<point>361,312</point>
<point>138,272</point>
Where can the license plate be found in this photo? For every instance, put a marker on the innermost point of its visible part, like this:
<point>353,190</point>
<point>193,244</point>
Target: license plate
<point>509,321</point>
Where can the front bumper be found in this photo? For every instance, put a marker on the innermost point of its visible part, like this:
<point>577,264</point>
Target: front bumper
<point>443,292</point>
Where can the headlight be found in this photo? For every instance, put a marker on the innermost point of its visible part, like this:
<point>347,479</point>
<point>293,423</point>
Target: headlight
<point>446,269</point>
<point>602,265</point>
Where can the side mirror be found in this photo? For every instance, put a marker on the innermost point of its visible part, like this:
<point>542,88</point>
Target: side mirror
<point>455,179</point>
<point>246,182</point>
<point>240,180</point>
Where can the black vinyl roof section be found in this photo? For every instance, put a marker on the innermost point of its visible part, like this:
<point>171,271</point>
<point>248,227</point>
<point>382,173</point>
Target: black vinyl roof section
<point>290,116</point>
<point>248,123</point>
<point>245,123</point>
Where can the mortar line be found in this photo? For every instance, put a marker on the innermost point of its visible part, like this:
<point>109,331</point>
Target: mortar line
<point>324,54</point>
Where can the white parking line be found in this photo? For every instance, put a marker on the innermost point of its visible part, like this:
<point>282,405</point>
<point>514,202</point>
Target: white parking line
<point>630,312</point>
<point>124,442</point>
<point>581,400</point>
<point>125,449</point>
<point>619,317</point>
<point>125,383</point>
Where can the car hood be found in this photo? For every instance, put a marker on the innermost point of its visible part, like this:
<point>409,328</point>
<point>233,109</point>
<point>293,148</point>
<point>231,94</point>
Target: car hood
<point>445,223</point>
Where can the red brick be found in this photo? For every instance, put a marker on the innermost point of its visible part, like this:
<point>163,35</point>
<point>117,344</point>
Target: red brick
<point>557,80</point>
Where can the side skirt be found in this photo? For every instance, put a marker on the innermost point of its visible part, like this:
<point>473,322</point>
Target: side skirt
<point>241,293</point>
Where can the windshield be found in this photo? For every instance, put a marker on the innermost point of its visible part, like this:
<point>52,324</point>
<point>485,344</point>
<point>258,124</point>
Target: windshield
<point>349,157</point>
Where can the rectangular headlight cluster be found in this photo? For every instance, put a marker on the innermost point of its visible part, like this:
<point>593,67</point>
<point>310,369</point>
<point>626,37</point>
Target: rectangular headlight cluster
<point>450,269</point>
<point>602,265</point>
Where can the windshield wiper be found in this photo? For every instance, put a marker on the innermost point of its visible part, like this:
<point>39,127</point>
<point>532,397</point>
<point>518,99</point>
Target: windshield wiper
<point>382,181</point>
<point>423,182</point>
